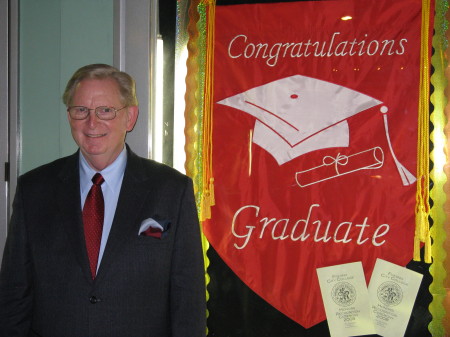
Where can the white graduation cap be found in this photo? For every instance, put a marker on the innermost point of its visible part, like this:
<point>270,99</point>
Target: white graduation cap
<point>299,114</point>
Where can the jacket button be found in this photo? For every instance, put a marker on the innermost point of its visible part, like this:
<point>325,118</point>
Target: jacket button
<point>94,300</point>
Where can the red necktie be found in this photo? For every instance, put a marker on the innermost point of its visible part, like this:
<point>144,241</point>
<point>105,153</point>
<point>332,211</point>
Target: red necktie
<point>93,214</point>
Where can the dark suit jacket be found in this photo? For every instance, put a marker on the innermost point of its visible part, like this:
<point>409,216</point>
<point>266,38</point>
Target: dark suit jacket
<point>145,286</point>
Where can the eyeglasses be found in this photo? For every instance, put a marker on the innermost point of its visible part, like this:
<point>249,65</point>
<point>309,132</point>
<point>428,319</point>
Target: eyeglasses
<point>102,112</point>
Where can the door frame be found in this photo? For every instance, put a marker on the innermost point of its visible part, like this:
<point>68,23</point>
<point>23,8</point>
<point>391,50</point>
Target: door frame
<point>9,122</point>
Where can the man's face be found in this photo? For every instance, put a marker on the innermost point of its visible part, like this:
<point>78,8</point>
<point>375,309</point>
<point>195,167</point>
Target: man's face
<point>101,141</point>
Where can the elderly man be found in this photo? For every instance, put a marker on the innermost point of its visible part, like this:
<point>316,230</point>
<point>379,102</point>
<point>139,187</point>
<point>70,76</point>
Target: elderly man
<point>103,242</point>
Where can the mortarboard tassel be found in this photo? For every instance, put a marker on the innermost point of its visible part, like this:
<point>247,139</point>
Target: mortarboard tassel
<point>406,176</point>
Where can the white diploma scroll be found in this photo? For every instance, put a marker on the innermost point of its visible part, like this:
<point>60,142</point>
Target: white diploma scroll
<point>334,167</point>
<point>393,290</point>
<point>346,300</point>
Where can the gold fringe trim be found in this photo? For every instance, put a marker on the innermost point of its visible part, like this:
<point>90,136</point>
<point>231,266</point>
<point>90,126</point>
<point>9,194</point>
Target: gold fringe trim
<point>439,308</point>
<point>194,113</point>
<point>422,232</point>
<point>208,198</point>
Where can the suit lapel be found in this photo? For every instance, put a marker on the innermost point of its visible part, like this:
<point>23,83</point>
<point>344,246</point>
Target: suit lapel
<point>69,205</point>
<point>132,197</point>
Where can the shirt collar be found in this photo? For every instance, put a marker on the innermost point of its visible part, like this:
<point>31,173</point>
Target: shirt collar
<point>112,174</point>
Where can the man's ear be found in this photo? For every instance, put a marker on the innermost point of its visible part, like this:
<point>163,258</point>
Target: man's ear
<point>132,116</point>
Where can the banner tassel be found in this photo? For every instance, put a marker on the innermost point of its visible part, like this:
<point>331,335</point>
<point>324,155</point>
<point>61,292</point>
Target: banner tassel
<point>205,207</point>
<point>212,200</point>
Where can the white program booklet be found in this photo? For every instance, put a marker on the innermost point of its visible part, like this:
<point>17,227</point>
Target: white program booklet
<point>393,290</point>
<point>346,300</point>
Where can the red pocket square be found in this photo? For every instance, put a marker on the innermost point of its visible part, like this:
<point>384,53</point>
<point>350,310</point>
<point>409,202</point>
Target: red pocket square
<point>154,228</point>
<point>151,231</point>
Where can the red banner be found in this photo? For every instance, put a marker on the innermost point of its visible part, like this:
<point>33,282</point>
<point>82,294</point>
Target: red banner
<point>314,142</point>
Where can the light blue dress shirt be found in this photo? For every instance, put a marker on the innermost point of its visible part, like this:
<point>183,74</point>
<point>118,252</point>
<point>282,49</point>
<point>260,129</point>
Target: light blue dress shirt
<point>113,175</point>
